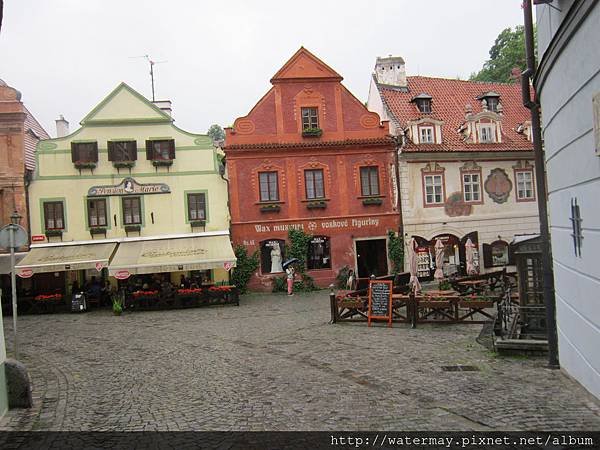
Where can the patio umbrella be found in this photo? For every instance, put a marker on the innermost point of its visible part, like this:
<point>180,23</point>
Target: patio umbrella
<point>439,260</point>
<point>289,261</point>
<point>412,266</point>
<point>470,256</point>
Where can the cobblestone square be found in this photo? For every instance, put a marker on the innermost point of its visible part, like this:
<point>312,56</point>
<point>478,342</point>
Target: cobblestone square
<point>274,363</point>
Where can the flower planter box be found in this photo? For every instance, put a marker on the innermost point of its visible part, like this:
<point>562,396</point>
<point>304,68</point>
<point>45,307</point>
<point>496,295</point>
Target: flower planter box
<point>48,298</point>
<point>312,132</point>
<point>98,230</point>
<point>198,223</point>
<point>316,205</point>
<point>132,228</point>
<point>123,164</point>
<point>270,208</point>
<point>54,233</point>
<point>82,165</point>
<point>162,162</point>
<point>372,201</point>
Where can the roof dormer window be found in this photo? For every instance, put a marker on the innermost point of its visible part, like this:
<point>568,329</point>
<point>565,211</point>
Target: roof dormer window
<point>490,101</point>
<point>423,102</point>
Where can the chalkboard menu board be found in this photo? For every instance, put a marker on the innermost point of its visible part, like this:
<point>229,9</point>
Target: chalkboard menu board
<point>380,301</point>
<point>78,303</point>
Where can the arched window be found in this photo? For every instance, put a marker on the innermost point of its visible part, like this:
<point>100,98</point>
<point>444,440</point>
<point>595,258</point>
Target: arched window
<point>319,253</point>
<point>272,255</point>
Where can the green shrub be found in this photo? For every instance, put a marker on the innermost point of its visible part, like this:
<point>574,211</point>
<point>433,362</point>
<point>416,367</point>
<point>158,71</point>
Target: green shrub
<point>342,277</point>
<point>396,251</point>
<point>245,267</point>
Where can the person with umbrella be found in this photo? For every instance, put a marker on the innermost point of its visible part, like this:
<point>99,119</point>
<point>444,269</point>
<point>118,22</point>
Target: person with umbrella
<point>290,272</point>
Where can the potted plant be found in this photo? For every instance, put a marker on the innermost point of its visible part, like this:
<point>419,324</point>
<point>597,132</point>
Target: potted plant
<point>162,162</point>
<point>316,204</point>
<point>132,228</point>
<point>123,164</point>
<point>81,165</point>
<point>117,304</point>
<point>198,223</point>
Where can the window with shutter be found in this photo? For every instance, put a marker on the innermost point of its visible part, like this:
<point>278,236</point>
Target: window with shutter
<point>97,212</point>
<point>132,211</point>
<point>160,150</point>
<point>84,152</point>
<point>487,256</point>
<point>196,206</point>
<point>122,151</point>
<point>54,216</point>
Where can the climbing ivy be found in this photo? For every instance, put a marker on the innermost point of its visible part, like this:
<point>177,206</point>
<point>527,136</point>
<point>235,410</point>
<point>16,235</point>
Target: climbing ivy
<point>396,251</point>
<point>245,267</point>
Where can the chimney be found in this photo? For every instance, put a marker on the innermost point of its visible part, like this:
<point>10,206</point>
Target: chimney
<point>164,105</point>
<point>62,127</point>
<point>391,71</point>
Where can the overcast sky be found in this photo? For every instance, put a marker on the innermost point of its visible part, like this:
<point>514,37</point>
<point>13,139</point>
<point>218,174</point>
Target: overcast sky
<point>65,56</point>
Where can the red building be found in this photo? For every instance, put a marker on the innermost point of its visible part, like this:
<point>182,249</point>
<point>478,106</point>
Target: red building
<point>309,155</point>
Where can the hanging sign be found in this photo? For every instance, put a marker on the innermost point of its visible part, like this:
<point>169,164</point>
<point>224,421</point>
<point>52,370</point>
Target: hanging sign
<point>380,301</point>
<point>25,273</point>
<point>38,238</point>
<point>122,274</point>
<point>228,266</point>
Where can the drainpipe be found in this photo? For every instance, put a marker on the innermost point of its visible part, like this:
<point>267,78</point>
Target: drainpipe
<point>27,182</point>
<point>222,171</point>
<point>540,178</point>
<point>399,144</point>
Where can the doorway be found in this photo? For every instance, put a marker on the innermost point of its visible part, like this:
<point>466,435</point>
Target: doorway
<point>371,257</point>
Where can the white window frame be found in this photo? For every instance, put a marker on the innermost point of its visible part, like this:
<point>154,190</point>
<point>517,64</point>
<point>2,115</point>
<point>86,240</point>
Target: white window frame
<point>428,132</point>
<point>435,181</point>
<point>521,181</point>
<point>471,187</point>
<point>490,129</point>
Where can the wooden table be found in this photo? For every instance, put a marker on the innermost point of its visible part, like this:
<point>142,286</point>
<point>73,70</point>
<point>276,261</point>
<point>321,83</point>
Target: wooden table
<point>473,286</point>
<point>436,293</point>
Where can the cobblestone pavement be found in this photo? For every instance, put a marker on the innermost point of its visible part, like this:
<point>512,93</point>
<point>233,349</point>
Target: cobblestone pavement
<point>274,363</point>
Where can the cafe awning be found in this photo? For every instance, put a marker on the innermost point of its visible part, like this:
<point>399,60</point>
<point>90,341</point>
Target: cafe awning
<point>170,255</point>
<point>5,262</point>
<point>65,257</point>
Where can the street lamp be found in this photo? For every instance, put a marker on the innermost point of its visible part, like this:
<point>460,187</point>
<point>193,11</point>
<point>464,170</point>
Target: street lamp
<point>13,236</point>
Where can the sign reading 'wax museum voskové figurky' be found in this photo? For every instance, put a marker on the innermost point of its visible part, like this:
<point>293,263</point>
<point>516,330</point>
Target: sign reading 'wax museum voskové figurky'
<point>129,187</point>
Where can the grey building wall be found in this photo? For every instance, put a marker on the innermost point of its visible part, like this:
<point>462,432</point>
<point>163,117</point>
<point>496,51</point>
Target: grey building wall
<point>568,79</point>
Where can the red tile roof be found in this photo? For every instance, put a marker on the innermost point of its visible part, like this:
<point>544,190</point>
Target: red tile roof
<point>449,98</point>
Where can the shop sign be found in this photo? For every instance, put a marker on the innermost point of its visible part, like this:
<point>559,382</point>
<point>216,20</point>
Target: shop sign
<point>367,222</point>
<point>38,238</point>
<point>99,266</point>
<point>228,266</point>
<point>25,273</point>
<point>129,187</point>
<point>122,274</point>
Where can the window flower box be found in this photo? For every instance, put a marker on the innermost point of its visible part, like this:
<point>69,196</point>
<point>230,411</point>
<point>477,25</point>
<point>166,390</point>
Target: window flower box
<point>54,233</point>
<point>132,228</point>
<point>312,132</point>
<point>316,205</point>
<point>82,165</point>
<point>162,162</point>
<point>98,230</point>
<point>372,201</point>
<point>198,223</point>
<point>123,164</point>
<point>270,208</point>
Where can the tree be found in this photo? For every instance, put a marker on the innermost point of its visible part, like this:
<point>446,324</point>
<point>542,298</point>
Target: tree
<point>216,133</point>
<point>507,53</point>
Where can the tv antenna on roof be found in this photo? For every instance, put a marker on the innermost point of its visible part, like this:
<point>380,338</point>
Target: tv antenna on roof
<point>151,62</point>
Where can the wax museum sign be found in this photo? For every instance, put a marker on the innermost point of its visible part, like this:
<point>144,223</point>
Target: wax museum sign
<point>129,187</point>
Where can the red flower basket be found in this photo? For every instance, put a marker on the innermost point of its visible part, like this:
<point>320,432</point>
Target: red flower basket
<point>48,297</point>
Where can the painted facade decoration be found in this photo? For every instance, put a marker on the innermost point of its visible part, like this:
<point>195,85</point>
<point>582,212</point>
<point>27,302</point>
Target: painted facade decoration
<point>465,163</point>
<point>567,84</point>
<point>310,156</point>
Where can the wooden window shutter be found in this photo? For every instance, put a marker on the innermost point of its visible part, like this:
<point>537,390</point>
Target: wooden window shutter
<point>511,255</point>
<point>487,256</point>
<point>74,152</point>
<point>171,149</point>
<point>149,150</point>
<point>95,152</point>
<point>133,152</point>
<point>111,151</point>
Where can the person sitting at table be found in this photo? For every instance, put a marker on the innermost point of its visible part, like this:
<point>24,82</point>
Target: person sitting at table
<point>184,283</point>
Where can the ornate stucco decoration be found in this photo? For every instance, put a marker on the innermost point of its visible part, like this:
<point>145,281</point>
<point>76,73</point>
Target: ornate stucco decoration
<point>523,164</point>
<point>432,167</point>
<point>498,185</point>
<point>470,166</point>
<point>455,205</point>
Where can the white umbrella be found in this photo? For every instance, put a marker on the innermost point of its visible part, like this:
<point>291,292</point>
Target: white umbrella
<point>412,266</point>
<point>470,256</point>
<point>439,260</point>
